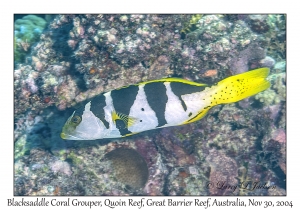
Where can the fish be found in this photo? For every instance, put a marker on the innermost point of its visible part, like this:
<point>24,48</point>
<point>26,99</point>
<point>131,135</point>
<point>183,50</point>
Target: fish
<point>157,104</point>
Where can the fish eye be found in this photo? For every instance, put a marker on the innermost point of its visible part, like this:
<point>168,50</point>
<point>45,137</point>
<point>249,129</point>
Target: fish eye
<point>76,119</point>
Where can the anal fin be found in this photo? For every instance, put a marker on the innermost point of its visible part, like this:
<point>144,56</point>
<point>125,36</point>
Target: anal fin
<point>200,115</point>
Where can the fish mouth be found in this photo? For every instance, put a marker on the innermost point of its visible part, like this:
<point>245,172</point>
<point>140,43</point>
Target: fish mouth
<point>63,135</point>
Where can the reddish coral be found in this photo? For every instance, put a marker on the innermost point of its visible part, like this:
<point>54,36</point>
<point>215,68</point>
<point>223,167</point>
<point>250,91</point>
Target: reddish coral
<point>211,73</point>
<point>279,135</point>
<point>47,99</point>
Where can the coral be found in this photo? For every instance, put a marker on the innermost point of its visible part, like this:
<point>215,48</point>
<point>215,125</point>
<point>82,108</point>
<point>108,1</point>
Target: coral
<point>274,111</point>
<point>81,56</point>
<point>19,147</point>
<point>259,23</point>
<point>186,181</point>
<point>268,97</point>
<point>61,166</point>
<point>156,167</point>
<point>276,36</point>
<point>219,38</point>
<point>279,135</point>
<point>86,55</point>
<point>190,26</point>
<point>176,158</point>
<point>27,32</point>
<point>178,148</point>
<point>74,158</point>
<point>129,167</point>
<point>267,62</point>
<point>272,157</point>
<point>280,67</point>
<point>277,93</point>
<point>241,62</point>
<point>223,174</point>
<point>279,85</point>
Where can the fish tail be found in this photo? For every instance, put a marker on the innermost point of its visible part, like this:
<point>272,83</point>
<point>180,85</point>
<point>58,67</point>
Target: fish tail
<point>238,87</point>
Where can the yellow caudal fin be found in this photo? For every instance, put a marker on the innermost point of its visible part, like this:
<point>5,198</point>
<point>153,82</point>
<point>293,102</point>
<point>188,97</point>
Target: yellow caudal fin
<point>238,87</point>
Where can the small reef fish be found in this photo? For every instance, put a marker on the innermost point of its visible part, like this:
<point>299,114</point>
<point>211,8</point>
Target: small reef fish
<point>156,104</point>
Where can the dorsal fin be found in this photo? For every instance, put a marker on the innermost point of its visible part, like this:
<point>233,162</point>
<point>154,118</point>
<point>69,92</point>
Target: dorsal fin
<point>173,79</point>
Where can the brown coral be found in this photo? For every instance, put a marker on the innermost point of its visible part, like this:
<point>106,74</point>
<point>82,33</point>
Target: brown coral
<point>130,168</point>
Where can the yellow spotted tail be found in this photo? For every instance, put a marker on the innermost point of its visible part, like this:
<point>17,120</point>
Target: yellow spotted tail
<point>233,89</point>
<point>238,87</point>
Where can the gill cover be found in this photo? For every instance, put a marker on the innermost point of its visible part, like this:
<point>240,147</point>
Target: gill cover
<point>86,127</point>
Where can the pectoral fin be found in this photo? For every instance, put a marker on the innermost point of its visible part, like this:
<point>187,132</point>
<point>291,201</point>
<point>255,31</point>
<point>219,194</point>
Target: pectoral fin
<point>128,120</point>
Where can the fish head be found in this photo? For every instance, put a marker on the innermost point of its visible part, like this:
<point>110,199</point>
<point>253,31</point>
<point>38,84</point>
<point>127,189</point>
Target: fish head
<point>83,125</point>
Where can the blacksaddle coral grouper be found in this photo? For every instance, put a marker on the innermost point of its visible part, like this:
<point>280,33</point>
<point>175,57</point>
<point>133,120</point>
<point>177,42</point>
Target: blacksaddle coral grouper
<point>156,104</point>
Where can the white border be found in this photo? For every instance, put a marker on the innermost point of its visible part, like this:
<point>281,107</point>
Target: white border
<point>150,6</point>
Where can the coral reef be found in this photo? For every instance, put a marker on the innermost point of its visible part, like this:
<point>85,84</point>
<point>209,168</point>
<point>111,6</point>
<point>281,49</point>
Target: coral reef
<point>276,93</point>
<point>223,171</point>
<point>280,66</point>
<point>81,56</point>
<point>258,23</point>
<point>276,36</point>
<point>26,33</point>
<point>84,55</point>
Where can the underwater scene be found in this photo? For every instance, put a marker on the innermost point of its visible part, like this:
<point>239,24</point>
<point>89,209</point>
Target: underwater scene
<point>150,104</point>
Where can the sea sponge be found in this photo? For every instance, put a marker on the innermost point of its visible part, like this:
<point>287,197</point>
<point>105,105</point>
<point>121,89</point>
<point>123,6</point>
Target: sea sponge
<point>27,32</point>
<point>130,168</point>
